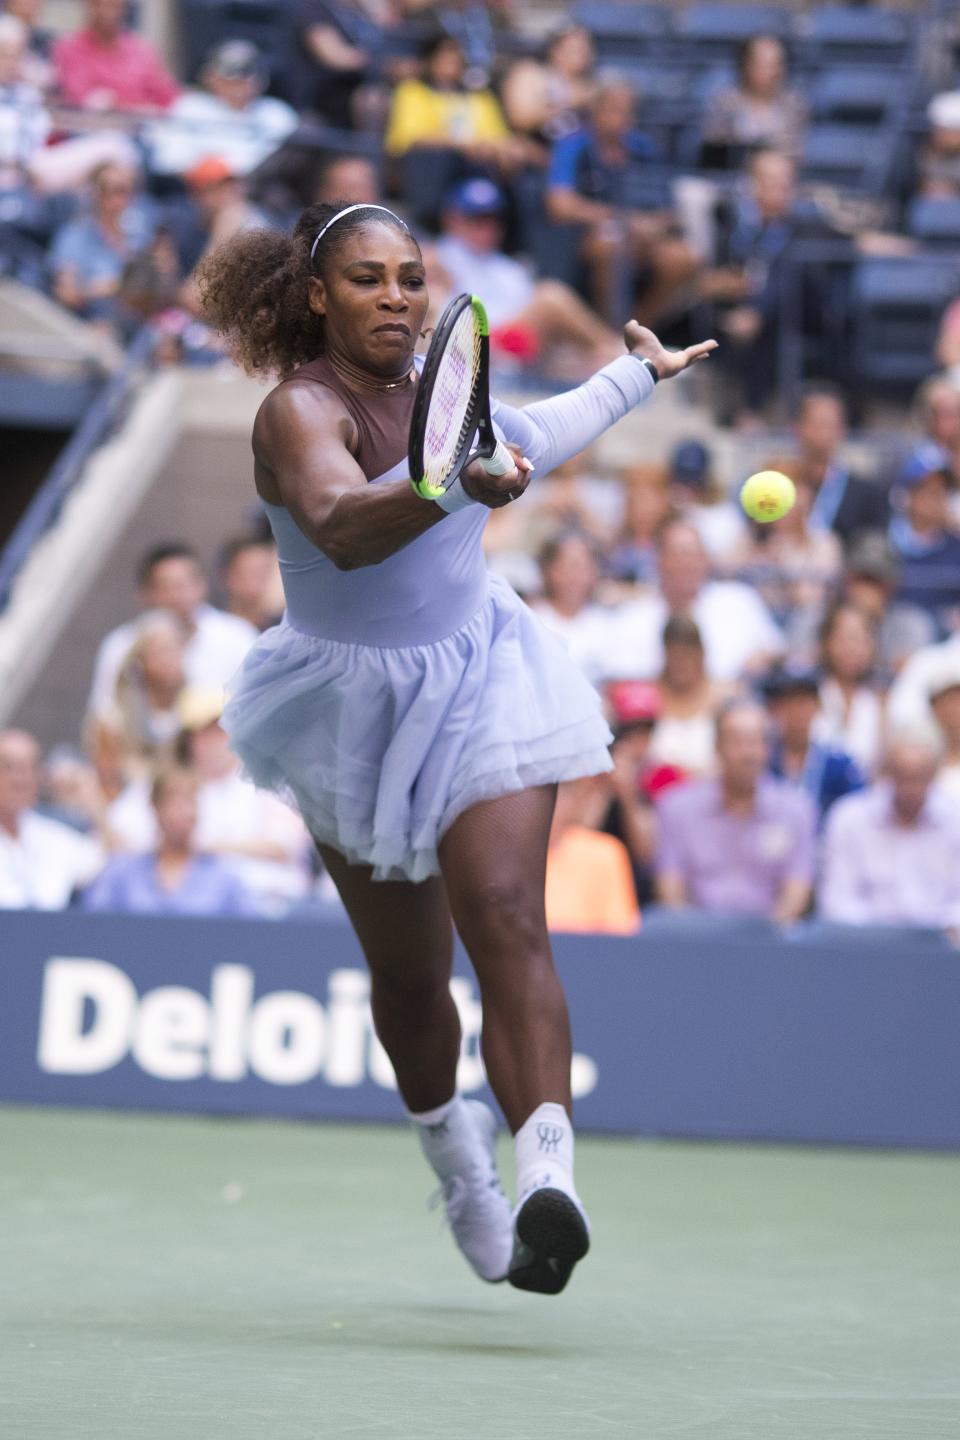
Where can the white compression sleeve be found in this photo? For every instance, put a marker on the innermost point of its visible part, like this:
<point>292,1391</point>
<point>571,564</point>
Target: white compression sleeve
<point>550,431</point>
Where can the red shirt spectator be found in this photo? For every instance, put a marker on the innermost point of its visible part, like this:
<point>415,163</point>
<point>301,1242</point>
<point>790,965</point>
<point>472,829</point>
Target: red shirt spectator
<point>105,67</point>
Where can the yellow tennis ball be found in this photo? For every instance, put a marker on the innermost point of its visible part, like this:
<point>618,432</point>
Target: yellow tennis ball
<point>768,495</point>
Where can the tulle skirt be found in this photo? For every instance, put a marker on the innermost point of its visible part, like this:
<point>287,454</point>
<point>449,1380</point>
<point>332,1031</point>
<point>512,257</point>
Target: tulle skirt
<point>382,748</point>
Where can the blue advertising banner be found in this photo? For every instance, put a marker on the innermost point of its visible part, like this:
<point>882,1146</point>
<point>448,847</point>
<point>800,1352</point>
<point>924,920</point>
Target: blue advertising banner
<point>739,1036</point>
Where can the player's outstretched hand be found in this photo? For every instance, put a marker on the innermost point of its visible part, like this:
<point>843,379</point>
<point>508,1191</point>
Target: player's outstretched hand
<point>644,344</point>
<point>497,490</point>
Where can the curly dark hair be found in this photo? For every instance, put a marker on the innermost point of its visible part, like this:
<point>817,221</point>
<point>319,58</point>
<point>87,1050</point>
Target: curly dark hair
<point>253,288</point>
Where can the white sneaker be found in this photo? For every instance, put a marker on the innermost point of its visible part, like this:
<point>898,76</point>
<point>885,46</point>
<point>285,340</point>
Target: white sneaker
<point>552,1234</point>
<point>478,1211</point>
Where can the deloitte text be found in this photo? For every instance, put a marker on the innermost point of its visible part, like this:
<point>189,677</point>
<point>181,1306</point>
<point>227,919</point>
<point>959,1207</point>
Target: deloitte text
<point>92,1018</point>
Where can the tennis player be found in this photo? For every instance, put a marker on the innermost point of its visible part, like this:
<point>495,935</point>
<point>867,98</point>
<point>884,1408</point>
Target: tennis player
<point>416,711</point>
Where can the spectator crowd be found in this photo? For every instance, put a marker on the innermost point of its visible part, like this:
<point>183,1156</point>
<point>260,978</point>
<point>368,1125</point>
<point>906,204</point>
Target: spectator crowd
<point>784,698</point>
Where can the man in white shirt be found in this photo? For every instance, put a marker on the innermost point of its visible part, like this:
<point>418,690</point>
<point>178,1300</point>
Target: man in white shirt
<point>892,852</point>
<point>740,636</point>
<point>169,578</point>
<point>42,861</point>
<point>228,117</point>
<point>525,314</point>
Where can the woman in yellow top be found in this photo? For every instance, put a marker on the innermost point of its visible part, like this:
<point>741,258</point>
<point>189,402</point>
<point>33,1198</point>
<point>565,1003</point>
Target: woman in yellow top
<point>438,111</point>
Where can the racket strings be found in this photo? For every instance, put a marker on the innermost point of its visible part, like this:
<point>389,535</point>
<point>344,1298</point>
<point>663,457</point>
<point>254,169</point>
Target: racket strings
<point>451,409</point>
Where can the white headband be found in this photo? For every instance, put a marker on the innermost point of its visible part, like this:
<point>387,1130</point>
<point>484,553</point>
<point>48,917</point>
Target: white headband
<point>339,216</point>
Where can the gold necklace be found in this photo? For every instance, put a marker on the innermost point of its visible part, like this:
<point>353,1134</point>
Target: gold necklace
<point>357,379</point>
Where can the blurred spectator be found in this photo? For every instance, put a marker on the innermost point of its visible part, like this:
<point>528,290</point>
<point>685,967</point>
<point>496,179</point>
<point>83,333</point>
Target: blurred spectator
<point>548,99</point>
<point>633,558</point>
<point>347,177</point>
<point>529,319</point>
<point>343,42</point>
<point>697,496</point>
<point>135,729</point>
<point>939,165</point>
<point>908,701</point>
<point>589,885</point>
<point>27,162</point>
<point>107,67</point>
<point>263,839</point>
<point>689,701</point>
<point>922,535</point>
<point>870,583</point>
<point>850,714</point>
<point>631,254</point>
<point>739,634</point>
<point>825,774</point>
<point>439,112</point>
<point>250,576</point>
<point>174,878</point>
<point>637,779</point>
<point>570,571</point>
<point>42,862</point>
<point>228,116</point>
<point>755,228</point>
<point>71,792</point>
<point>37,63</point>
<point>846,503</point>
<point>794,567</point>
<point>892,854</point>
<point>937,409</point>
<point>574,497</point>
<point>169,578</point>
<point>742,843</point>
<point>759,111</point>
<point>943,692</point>
<point>90,254</point>
<point>222,209</point>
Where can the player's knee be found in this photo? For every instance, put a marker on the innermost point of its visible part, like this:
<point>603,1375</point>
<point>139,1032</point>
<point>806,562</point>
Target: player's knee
<point>504,915</point>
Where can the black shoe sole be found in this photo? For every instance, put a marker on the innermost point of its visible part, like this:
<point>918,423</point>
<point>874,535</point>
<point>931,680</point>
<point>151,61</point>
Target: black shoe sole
<point>550,1237</point>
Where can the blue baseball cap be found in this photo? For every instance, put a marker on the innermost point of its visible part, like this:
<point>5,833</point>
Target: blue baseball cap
<point>477,196</point>
<point>690,463</point>
<point>926,460</point>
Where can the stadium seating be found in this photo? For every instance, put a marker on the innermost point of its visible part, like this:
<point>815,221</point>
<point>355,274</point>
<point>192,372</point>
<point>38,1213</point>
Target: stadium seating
<point>896,307</point>
<point>936,222</point>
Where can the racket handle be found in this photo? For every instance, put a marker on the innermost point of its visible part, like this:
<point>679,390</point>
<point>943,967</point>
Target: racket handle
<point>499,462</point>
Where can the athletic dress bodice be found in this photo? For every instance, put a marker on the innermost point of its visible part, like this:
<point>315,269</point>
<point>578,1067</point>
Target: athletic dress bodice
<point>423,592</point>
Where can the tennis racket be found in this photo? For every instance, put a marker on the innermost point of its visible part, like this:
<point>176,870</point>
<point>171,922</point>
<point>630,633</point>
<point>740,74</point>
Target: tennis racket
<point>451,424</point>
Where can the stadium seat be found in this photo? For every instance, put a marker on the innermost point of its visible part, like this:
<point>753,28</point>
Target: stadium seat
<point>847,94</point>
<point>896,307</point>
<point>716,31</point>
<point>618,26</point>
<point>849,156</point>
<point>856,35</point>
<point>935,221</point>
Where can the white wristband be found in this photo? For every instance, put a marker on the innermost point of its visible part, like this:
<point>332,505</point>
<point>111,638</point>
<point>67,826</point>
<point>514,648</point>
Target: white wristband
<point>455,498</point>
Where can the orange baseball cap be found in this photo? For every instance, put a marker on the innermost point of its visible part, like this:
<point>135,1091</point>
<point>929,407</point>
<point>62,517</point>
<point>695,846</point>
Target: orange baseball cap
<point>211,170</point>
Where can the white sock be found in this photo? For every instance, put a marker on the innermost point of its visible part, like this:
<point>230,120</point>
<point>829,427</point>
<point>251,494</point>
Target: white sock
<point>544,1148</point>
<point>447,1136</point>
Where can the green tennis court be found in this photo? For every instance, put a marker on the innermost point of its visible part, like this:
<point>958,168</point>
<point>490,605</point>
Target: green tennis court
<point>184,1279</point>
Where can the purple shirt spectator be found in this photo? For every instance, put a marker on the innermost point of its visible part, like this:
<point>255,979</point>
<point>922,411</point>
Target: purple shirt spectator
<point>734,863</point>
<point>130,884</point>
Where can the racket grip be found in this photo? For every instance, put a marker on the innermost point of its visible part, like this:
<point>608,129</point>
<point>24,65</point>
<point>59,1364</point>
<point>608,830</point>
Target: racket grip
<point>499,462</point>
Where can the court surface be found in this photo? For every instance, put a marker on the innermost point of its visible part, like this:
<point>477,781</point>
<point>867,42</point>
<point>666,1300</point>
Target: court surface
<point>186,1279</point>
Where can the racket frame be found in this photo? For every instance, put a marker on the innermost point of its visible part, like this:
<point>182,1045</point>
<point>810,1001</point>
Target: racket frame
<point>477,422</point>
